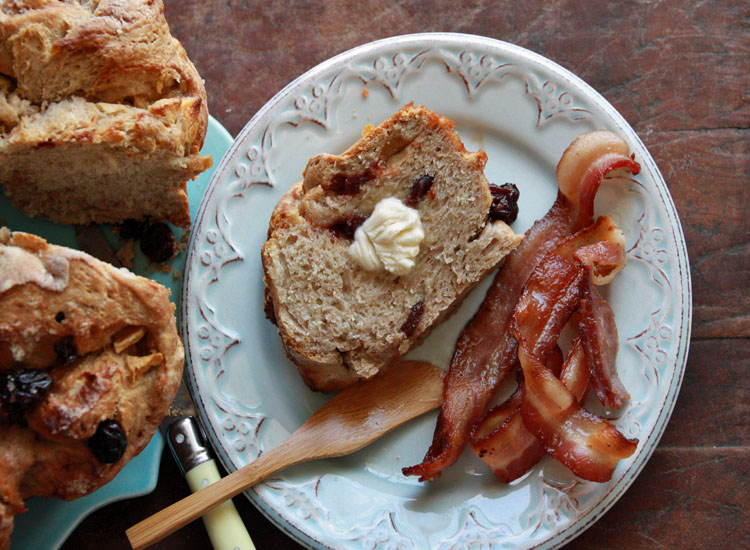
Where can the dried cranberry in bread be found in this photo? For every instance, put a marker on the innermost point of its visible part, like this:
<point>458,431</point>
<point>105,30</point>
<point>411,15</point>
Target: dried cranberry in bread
<point>340,323</point>
<point>90,360</point>
<point>102,114</point>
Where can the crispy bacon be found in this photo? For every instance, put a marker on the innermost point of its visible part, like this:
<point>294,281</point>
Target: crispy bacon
<point>587,444</point>
<point>502,441</point>
<point>584,164</point>
<point>575,372</point>
<point>553,292</point>
<point>600,251</point>
<point>599,246</point>
<point>599,335</point>
<point>605,259</point>
<point>551,296</point>
<point>486,348</point>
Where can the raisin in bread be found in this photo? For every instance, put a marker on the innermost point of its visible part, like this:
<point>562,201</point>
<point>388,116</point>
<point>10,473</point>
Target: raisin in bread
<point>102,114</point>
<point>339,322</point>
<point>90,360</point>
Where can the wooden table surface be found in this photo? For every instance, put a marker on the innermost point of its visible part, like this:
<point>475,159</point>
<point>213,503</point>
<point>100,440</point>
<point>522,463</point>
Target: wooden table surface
<point>678,71</point>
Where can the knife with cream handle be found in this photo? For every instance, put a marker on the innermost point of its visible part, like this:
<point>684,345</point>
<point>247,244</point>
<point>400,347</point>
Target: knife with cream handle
<point>225,528</point>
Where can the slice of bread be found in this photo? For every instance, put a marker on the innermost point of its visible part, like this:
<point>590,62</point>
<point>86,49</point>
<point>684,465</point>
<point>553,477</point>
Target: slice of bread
<point>340,323</point>
<point>102,114</point>
<point>103,342</point>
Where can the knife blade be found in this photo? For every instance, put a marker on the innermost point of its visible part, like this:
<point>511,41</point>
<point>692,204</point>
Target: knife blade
<point>181,430</point>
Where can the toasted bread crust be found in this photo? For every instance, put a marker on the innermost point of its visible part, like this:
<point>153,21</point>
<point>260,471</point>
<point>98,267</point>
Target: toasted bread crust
<point>102,114</point>
<point>127,367</point>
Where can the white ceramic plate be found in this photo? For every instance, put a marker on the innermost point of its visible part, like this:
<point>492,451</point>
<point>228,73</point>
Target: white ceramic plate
<point>523,110</point>
<point>139,477</point>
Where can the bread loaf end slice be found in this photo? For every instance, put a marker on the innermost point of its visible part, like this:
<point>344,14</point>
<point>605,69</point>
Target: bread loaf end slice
<point>340,323</point>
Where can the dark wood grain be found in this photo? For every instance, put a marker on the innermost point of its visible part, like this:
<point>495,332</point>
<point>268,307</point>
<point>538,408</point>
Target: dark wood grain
<point>678,72</point>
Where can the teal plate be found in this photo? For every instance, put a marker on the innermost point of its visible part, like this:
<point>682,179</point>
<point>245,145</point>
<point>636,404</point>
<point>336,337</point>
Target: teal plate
<point>139,477</point>
<point>60,517</point>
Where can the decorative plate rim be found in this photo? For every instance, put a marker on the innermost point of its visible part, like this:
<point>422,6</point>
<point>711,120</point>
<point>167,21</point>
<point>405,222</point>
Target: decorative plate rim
<point>262,119</point>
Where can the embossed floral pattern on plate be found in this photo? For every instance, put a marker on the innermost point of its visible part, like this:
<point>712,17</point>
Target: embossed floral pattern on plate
<point>523,110</point>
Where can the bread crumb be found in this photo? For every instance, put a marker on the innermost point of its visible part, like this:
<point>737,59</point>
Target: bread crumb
<point>365,93</point>
<point>367,129</point>
<point>182,244</point>
<point>126,253</point>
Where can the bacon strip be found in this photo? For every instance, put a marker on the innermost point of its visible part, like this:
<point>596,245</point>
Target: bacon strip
<point>599,335</point>
<point>601,249</point>
<point>582,167</point>
<point>575,372</point>
<point>552,294</point>
<point>486,348</point>
<point>501,439</point>
<point>587,444</point>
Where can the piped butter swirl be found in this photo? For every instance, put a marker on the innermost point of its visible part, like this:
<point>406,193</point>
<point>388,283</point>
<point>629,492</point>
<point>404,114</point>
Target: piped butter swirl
<point>389,239</point>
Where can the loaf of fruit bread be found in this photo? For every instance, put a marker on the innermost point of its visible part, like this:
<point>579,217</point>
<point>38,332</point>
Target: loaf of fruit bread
<point>376,246</point>
<point>102,114</point>
<point>90,361</point>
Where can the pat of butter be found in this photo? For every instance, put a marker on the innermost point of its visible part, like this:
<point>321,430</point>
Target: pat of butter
<point>389,239</point>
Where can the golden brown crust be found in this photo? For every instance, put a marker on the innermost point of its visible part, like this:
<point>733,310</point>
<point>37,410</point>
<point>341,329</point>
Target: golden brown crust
<point>127,366</point>
<point>110,51</point>
<point>103,99</point>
